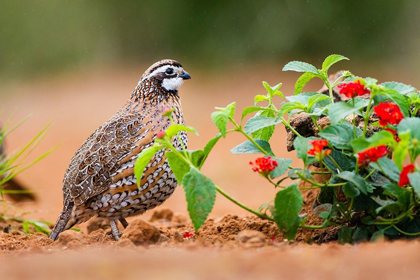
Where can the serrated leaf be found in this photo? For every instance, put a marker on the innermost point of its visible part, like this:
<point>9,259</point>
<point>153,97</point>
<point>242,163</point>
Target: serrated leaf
<point>143,159</point>
<point>231,109</point>
<point>402,195</point>
<point>350,191</point>
<point>302,81</point>
<point>315,99</point>
<point>331,60</point>
<point>299,66</point>
<point>401,150</point>
<point>197,157</point>
<point>401,100</point>
<point>400,87</point>
<point>336,160</point>
<point>200,193</point>
<point>260,98</point>
<point>345,235</point>
<point>249,110</point>
<point>301,145</point>
<point>340,110</point>
<point>282,166</point>
<point>287,107</point>
<point>178,165</point>
<point>273,90</point>
<point>357,180</point>
<point>382,137</point>
<point>389,168</point>
<point>265,132</point>
<point>220,119</point>
<point>175,128</point>
<point>339,135</point>
<point>288,203</point>
<point>209,146</point>
<point>249,148</point>
<point>259,122</point>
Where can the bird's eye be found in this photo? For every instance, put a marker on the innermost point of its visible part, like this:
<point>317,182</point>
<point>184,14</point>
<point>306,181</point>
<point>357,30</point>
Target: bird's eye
<point>169,71</point>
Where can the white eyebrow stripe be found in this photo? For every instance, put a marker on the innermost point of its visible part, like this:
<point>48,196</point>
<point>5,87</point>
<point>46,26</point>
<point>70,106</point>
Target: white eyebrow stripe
<point>161,70</point>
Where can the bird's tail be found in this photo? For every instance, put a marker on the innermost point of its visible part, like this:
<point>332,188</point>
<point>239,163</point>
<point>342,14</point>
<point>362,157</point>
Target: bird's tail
<point>62,221</point>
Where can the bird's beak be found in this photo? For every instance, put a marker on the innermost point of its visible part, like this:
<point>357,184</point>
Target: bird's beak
<point>185,75</point>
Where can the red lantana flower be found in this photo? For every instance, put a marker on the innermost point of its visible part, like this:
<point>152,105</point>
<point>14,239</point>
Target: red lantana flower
<point>372,154</point>
<point>187,235</point>
<point>388,113</point>
<point>263,165</point>
<point>352,90</point>
<point>404,174</point>
<point>394,132</point>
<point>318,149</point>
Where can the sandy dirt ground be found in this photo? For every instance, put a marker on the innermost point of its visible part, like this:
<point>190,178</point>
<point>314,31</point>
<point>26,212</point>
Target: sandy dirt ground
<point>78,103</point>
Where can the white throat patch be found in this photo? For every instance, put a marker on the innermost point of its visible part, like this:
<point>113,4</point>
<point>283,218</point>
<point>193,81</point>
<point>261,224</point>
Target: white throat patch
<point>172,83</point>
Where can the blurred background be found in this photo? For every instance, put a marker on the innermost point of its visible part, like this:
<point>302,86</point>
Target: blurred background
<point>76,62</point>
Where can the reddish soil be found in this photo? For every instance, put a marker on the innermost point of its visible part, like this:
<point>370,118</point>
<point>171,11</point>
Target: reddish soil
<point>228,246</point>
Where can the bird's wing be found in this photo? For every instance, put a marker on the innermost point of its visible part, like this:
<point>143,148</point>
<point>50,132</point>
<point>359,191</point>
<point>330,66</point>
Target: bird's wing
<point>98,159</point>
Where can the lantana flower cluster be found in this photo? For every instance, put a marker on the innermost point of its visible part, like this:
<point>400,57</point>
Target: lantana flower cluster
<point>351,90</point>
<point>263,165</point>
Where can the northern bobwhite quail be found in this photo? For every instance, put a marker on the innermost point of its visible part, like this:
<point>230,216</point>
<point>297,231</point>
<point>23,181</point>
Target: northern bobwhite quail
<point>100,180</point>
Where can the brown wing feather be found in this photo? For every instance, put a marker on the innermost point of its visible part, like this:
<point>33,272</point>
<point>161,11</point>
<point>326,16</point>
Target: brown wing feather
<point>103,153</point>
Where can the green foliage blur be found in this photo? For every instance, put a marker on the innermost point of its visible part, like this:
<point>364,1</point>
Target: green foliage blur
<point>43,36</point>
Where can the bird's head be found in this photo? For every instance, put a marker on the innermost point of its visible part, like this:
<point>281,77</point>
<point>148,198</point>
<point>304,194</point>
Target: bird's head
<point>168,73</point>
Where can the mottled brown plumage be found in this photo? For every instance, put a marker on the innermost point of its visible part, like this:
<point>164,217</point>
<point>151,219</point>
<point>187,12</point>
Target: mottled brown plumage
<point>100,179</point>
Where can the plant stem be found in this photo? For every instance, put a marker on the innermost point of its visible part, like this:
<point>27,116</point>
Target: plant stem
<point>260,215</point>
<point>238,128</point>
<point>330,91</point>
<point>316,123</point>
<point>312,226</point>
<point>286,124</point>
<point>367,116</point>
<point>405,233</point>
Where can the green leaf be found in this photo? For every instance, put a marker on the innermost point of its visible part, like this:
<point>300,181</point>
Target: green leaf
<point>336,160</point>
<point>402,195</point>
<point>209,146</point>
<point>382,137</point>
<point>315,99</point>
<point>339,135</point>
<point>143,159</point>
<point>259,122</point>
<point>345,235</point>
<point>299,66</point>
<point>175,128</point>
<point>231,109</point>
<point>350,191</point>
<point>260,98</point>
<point>357,180</point>
<point>25,226</point>
<point>360,234</point>
<point>249,148</point>
<point>302,81</point>
<point>197,157</point>
<point>200,192</point>
<point>287,107</point>
<point>288,203</point>
<point>378,235</point>
<point>415,182</point>
<point>400,87</point>
<point>331,60</point>
<point>220,119</point>
<point>401,150</point>
<point>389,168</point>
<point>411,124</point>
<point>249,110</point>
<point>282,166</point>
<point>265,132</point>
<point>273,90</point>
<point>178,165</point>
<point>401,100</point>
<point>340,110</point>
<point>301,145</point>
